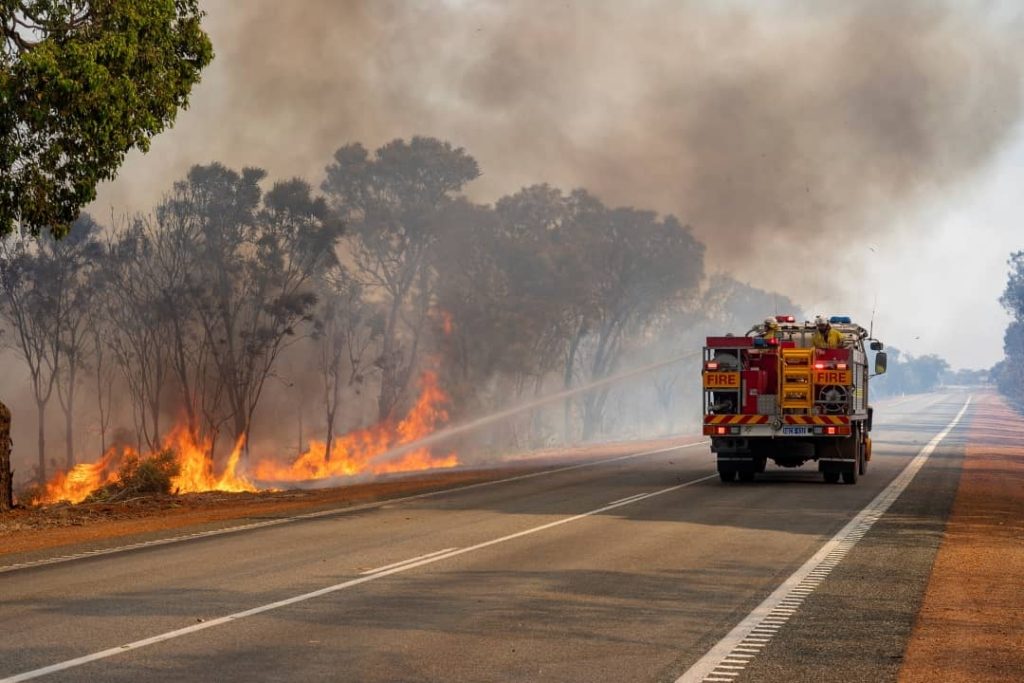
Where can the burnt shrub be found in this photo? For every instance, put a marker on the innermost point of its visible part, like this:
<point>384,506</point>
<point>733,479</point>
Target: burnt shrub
<point>149,475</point>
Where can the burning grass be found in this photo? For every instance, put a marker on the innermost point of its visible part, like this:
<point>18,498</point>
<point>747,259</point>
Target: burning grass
<point>183,463</point>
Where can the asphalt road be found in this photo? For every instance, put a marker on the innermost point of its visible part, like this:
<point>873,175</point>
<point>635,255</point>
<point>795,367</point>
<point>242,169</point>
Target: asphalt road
<point>632,569</point>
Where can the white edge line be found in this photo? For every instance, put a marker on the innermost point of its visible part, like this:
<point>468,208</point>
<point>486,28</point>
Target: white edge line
<point>704,666</point>
<point>177,633</point>
<point>332,511</point>
<point>411,559</point>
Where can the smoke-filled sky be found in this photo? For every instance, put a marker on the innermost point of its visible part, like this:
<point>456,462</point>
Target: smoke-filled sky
<point>841,153</point>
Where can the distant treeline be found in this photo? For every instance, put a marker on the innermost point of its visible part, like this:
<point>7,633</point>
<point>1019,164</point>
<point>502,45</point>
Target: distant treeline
<point>1009,373</point>
<point>230,298</point>
<point>909,374</point>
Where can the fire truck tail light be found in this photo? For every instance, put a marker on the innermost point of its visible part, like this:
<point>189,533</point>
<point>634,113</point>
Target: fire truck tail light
<point>819,366</point>
<point>712,365</point>
<point>721,430</point>
<point>841,366</point>
<point>830,430</point>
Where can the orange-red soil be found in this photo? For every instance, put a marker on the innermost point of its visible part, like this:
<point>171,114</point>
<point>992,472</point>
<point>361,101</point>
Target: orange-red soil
<point>58,525</point>
<point>971,625</point>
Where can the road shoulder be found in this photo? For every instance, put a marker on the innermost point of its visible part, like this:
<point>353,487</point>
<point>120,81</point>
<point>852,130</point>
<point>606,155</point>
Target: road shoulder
<point>855,625</point>
<point>971,624</point>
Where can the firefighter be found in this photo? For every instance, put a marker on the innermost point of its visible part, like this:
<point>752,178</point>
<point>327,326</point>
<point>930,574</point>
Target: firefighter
<point>771,330</point>
<point>825,336</point>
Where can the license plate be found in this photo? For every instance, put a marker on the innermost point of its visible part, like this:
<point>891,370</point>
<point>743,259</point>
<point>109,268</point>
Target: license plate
<point>796,431</point>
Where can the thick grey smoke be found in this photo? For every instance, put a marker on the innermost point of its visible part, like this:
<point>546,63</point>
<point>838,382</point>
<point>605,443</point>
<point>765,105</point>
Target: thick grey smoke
<point>775,129</point>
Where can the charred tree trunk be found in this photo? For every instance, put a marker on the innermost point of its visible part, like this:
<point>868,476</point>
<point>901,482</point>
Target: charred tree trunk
<point>69,448</point>
<point>570,364</point>
<point>6,475</point>
<point>69,411</point>
<point>41,407</point>
<point>389,359</point>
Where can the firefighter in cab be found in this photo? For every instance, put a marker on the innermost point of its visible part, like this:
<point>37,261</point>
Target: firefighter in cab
<point>825,336</point>
<point>771,331</point>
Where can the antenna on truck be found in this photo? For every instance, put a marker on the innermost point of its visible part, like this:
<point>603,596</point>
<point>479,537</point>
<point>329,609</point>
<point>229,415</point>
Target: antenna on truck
<point>871,325</point>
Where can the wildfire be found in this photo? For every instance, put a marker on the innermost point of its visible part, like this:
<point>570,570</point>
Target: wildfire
<point>195,470</point>
<point>351,454</point>
<point>446,323</point>
<point>354,453</point>
<point>84,478</point>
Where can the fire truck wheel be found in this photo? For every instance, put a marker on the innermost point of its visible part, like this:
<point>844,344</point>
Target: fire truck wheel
<point>850,472</point>
<point>726,474</point>
<point>831,476</point>
<point>862,461</point>
<point>747,475</point>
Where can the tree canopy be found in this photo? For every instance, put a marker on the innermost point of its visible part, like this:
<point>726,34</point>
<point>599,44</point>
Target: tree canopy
<point>82,82</point>
<point>1009,374</point>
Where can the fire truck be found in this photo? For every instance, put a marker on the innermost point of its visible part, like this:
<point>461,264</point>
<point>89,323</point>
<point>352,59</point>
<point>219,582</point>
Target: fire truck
<point>771,395</point>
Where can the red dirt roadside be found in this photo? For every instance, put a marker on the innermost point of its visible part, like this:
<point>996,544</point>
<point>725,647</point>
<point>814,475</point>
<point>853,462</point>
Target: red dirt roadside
<point>57,525</point>
<point>971,624</point>
<point>53,526</point>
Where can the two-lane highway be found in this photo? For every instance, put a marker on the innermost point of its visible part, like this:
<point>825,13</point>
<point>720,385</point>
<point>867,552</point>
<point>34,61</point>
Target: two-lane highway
<point>631,569</point>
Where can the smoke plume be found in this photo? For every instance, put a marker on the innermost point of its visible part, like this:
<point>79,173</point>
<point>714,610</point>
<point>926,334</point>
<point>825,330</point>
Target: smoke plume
<point>774,129</point>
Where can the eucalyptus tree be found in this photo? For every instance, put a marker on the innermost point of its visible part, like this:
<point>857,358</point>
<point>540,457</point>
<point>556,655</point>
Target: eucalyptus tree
<point>82,82</point>
<point>393,203</point>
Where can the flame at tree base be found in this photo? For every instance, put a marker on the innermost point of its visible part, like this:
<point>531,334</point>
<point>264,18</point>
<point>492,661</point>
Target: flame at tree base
<point>195,469</point>
<point>352,454</point>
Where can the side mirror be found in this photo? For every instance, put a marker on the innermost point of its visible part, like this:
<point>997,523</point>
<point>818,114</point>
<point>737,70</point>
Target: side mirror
<point>881,361</point>
<point>876,345</point>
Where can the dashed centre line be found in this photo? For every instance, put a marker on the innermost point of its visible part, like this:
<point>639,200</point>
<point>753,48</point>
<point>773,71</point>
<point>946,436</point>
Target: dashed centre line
<point>328,513</point>
<point>366,578</point>
<point>409,561</point>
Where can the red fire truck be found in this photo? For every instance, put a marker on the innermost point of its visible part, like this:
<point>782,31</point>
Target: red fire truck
<point>771,395</point>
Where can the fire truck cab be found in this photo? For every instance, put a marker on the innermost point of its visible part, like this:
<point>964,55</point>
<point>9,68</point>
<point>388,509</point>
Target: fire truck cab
<point>771,395</point>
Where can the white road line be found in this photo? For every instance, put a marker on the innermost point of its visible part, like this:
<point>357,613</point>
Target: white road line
<point>708,666</point>
<point>333,511</point>
<point>635,496</point>
<point>177,633</point>
<point>411,559</point>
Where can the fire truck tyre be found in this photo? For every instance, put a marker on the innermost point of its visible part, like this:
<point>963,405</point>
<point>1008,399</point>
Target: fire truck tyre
<point>726,474</point>
<point>747,475</point>
<point>862,460</point>
<point>850,473</point>
<point>831,476</point>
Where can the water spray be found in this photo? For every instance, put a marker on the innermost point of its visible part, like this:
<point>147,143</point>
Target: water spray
<point>479,422</point>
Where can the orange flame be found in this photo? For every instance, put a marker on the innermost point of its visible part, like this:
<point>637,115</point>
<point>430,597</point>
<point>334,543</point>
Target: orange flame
<point>354,452</point>
<point>351,454</point>
<point>195,470</point>
<point>84,478</point>
<point>446,323</point>
<point>196,467</point>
